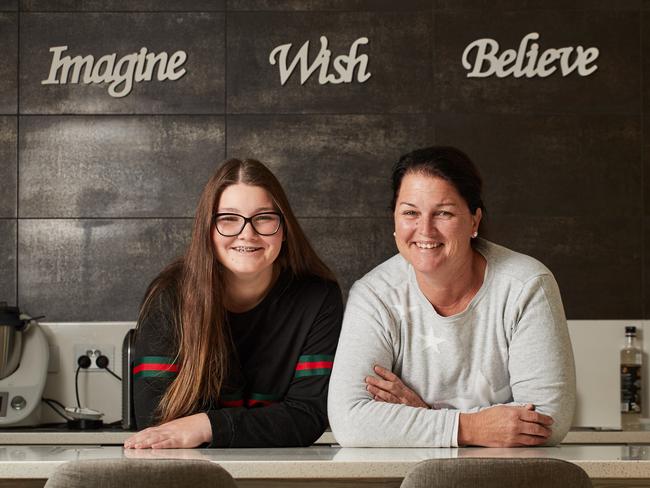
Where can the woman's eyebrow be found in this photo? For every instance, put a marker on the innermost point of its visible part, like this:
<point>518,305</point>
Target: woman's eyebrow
<point>442,204</point>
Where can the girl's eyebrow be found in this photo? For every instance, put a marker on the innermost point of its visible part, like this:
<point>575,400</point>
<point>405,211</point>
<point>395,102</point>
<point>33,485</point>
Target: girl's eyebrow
<point>236,210</point>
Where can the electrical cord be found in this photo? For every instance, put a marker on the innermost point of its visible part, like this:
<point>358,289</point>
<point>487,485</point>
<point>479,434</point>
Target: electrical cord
<point>76,386</point>
<point>82,362</point>
<point>58,403</point>
<point>102,362</point>
<point>51,403</point>
<point>111,372</point>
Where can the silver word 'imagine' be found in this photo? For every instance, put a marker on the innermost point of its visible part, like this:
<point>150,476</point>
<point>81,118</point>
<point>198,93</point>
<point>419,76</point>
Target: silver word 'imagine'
<point>120,74</point>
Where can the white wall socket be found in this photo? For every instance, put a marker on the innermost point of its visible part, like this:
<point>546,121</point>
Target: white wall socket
<point>93,351</point>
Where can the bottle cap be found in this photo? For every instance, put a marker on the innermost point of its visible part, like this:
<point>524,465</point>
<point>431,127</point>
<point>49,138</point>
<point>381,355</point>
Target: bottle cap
<point>630,329</point>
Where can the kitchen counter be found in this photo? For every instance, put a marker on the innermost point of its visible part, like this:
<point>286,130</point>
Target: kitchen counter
<point>375,466</point>
<point>116,436</point>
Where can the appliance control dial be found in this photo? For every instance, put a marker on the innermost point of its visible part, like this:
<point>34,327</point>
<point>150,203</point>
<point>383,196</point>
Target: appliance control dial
<point>18,402</point>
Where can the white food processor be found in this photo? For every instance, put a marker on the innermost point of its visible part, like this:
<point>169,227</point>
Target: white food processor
<point>24,357</point>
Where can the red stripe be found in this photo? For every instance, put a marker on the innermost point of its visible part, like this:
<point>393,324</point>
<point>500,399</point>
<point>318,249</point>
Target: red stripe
<point>232,403</point>
<point>315,365</point>
<point>156,367</point>
<point>252,403</point>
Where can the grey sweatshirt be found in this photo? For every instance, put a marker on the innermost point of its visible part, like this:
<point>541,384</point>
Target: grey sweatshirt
<point>509,346</point>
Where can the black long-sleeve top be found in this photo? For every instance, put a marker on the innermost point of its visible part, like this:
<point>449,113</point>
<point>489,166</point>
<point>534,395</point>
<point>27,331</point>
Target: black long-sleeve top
<point>275,393</point>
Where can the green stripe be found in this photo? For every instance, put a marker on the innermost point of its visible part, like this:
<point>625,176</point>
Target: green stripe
<point>315,357</point>
<point>155,374</point>
<point>154,360</point>
<point>313,372</point>
<point>263,397</point>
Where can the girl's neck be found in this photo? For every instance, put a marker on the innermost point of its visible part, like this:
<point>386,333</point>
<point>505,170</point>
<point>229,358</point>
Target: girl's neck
<point>244,292</point>
<point>451,294</point>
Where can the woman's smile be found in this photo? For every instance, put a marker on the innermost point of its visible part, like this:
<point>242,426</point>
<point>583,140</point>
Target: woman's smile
<point>427,246</point>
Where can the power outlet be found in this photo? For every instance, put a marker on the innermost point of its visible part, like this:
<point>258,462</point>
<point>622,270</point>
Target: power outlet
<point>93,351</point>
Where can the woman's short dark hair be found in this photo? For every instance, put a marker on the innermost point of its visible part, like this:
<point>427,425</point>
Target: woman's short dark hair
<point>444,162</point>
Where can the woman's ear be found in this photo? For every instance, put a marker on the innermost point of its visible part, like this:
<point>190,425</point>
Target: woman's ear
<point>476,220</point>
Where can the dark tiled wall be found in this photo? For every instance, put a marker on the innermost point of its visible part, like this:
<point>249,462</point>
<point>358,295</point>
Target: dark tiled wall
<point>98,192</point>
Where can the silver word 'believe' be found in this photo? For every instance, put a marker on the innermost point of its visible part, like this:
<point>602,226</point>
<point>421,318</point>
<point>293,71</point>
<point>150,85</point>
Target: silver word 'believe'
<point>527,60</point>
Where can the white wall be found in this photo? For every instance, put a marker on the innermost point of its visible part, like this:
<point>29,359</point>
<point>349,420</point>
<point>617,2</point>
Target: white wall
<point>596,345</point>
<point>97,389</point>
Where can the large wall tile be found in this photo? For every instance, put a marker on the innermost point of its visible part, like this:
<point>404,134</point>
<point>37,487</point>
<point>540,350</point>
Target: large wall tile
<point>351,247</point>
<point>645,43</point>
<point>200,35</point>
<point>89,270</point>
<point>9,64</point>
<point>399,52</point>
<point>8,261</point>
<point>596,261</point>
<point>334,165</point>
<point>645,149</point>
<point>8,161</point>
<point>552,165</point>
<point>8,5</point>
<point>613,87</point>
<point>555,5</point>
<point>117,166</point>
<point>646,267</point>
<point>123,5</point>
<point>325,5</point>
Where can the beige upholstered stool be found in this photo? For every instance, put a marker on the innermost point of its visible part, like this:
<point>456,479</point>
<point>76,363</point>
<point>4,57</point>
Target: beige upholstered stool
<point>496,473</point>
<point>141,473</point>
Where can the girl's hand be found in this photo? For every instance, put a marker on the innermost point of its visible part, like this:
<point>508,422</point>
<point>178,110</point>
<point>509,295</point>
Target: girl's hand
<point>186,432</point>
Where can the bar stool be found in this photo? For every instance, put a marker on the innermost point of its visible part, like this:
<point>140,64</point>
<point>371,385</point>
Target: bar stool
<point>496,473</point>
<point>143,473</point>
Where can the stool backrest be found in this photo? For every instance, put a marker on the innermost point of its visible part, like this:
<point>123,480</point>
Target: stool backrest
<point>496,473</point>
<point>140,473</point>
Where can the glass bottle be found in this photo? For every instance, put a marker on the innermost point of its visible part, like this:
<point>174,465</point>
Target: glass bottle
<point>631,359</point>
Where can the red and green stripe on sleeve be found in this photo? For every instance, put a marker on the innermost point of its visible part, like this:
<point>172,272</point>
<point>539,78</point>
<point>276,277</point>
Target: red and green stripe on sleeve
<point>154,367</point>
<point>237,399</point>
<point>314,365</point>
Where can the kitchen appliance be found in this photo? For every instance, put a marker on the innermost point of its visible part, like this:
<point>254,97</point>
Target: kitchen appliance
<point>24,357</point>
<point>128,354</point>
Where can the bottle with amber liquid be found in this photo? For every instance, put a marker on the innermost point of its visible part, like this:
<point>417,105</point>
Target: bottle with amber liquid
<point>631,359</point>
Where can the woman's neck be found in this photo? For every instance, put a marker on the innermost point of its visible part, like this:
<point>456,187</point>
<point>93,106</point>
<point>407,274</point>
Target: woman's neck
<point>244,292</point>
<point>450,293</point>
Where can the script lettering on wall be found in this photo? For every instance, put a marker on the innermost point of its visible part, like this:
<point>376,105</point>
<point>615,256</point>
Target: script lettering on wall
<point>120,74</point>
<point>527,60</point>
<point>344,65</point>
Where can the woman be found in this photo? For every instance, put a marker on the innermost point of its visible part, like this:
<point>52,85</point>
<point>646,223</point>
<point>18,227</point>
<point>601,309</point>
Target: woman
<point>450,326</point>
<point>235,340</point>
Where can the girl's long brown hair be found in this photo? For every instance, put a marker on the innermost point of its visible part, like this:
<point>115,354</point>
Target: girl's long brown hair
<point>196,282</point>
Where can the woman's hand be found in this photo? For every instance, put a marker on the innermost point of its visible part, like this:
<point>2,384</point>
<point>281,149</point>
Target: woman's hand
<point>391,389</point>
<point>504,426</point>
<point>191,431</point>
